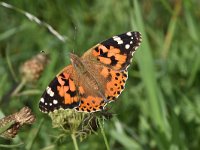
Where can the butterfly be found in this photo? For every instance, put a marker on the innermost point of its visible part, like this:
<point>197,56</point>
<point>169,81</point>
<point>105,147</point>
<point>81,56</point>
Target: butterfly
<point>93,80</point>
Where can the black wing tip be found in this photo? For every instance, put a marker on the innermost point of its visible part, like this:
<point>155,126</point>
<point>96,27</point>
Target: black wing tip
<point>136,34</point>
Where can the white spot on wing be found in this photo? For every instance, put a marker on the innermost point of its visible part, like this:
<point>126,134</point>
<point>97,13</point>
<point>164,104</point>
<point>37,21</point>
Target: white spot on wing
<point>114,37</point>
<point>42,100</point>
<point>120,42</point>
<point>127,46</point>
<point>129,33</point>
<point>50,92</point>
<point>132,53</point>
<point>117,39</point>
<point>127,67</point>
<point>55,101</point>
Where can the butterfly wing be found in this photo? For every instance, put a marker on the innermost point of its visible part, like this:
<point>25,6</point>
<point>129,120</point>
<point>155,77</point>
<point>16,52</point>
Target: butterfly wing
<point>115,82</point>
<point>91,99</point>
<point>110,60</point>
<point>117,51</point>
<point>91,103</point>
<point>61,92</point>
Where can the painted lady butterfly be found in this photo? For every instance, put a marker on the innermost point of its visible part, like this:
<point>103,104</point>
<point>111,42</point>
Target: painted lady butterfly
<point>93,80</point>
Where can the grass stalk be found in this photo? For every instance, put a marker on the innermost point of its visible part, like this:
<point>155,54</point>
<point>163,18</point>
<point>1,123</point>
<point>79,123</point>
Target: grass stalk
<point>19,87</point>
<point>4,127</point>
<point>103,133</point>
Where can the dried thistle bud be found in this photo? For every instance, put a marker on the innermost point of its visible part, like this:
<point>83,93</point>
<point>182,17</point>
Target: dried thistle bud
<point>24,116</point>
<point>11,132</point>
<point>33,68</point>
<point>15,121</point>
<point>80,124</point>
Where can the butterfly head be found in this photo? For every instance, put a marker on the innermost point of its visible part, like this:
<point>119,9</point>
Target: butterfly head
<point>77,63</point>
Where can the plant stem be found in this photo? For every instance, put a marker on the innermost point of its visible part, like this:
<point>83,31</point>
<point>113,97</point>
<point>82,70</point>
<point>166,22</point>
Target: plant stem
<point>19,87</point>
<point>11,146</point>
<point>74,141</point>
<point>29,92</point>
<point>103,133</point>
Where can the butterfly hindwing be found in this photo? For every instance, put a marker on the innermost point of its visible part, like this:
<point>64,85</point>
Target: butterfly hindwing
<point>115,82</point>
<point>90,100</point>
<point>91,103</point>
<point>61,92</point>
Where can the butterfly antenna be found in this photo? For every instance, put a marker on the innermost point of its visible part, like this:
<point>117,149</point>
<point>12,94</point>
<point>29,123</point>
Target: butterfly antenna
<point>75,35</point>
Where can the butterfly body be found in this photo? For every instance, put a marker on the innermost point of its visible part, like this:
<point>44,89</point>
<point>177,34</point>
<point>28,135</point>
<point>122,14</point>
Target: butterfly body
<point>93,80</point>
<point>86,71</point>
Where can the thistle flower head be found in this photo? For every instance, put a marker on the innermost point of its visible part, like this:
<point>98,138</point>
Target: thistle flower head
<point>32,69</point>
<point>13,122</point>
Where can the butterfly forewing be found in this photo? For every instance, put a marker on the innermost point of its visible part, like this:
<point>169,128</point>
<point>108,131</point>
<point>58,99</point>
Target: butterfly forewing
<point>61,92</point>
<point>117,51</point>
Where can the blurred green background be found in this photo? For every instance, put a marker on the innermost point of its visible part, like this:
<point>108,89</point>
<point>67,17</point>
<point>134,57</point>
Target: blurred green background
<point>160,107</point>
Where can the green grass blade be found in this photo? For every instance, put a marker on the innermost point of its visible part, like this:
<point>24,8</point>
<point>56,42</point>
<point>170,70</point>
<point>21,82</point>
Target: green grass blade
<point>145,60</point>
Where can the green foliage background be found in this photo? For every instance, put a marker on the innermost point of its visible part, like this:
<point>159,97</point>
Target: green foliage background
<point>160,107</point>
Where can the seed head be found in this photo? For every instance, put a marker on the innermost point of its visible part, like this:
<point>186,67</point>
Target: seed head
<point>15,121</point>
<point>33,68</point>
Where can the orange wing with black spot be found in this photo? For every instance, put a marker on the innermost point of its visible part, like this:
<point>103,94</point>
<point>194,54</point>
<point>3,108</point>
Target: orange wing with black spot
<point>90,100</point>
<point>117,51</point>
<point>90,103</point>
<point>115,82</point>
<point>61,92</point>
